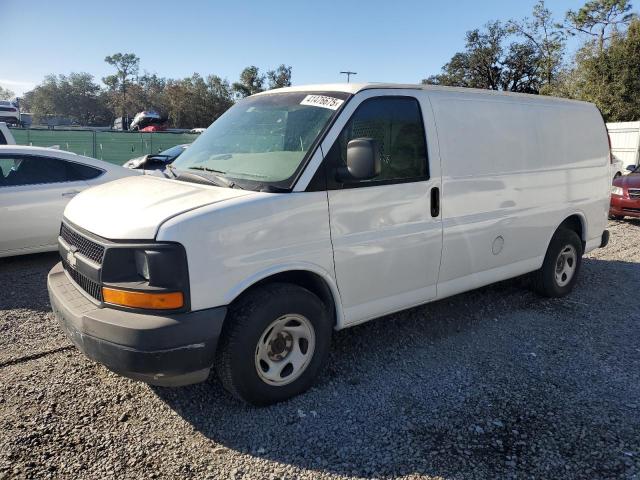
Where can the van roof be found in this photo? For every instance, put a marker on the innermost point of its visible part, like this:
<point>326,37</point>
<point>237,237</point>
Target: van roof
<point>357,87</point>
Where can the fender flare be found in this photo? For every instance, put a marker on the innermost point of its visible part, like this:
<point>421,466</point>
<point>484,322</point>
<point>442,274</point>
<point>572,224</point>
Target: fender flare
<point>250,281</point>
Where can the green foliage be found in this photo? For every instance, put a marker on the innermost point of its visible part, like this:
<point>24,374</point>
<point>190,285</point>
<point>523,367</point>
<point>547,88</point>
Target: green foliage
<point>196,101</point>
<point>280,77</point>
<point>75,96</point>
<point>491,62</point>
<point>528,56</point>
<point>190,102</point>
<point>251,82</point>
<point>546,37</point>
<point>6,94</point>
<point>609,78</point>
<point>599,18</point>
<point>126,65</point>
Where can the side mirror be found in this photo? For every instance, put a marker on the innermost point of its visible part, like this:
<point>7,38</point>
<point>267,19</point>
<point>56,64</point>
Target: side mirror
<point>631,168</point>
<point>363,160</point>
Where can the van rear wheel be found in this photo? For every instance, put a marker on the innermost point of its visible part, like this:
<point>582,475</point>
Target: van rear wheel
<point>274,343</point>
<point>562,261</point>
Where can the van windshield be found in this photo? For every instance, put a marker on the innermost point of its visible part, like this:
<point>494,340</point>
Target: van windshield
<point>263,140</point>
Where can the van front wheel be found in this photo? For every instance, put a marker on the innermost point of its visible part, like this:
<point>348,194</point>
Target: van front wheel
<point>273,344</point>
<point>562,261</point>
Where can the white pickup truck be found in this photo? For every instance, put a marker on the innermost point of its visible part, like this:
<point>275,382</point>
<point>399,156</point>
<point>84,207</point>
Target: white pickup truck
<point>308,209</point>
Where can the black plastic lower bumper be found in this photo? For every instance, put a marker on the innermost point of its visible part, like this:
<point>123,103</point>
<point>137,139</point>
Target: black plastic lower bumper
<point>168,350</point>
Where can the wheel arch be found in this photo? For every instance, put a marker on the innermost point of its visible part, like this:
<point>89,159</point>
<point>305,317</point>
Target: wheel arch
<point>313,278</point>
<point>576,222</point>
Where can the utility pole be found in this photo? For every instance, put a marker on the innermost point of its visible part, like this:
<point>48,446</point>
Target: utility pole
<point>348,74</point>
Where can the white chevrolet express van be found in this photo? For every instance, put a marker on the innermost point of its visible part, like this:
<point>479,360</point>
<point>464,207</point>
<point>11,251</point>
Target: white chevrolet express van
<point>308,209</point>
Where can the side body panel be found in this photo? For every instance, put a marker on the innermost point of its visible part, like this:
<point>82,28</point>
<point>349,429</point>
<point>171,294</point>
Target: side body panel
<point>234,244</point>
<point>30,215</point>
<point>513,169</point>
<point>386,244</point>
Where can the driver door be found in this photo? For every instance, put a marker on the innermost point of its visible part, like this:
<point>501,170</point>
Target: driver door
<point>387,238</point>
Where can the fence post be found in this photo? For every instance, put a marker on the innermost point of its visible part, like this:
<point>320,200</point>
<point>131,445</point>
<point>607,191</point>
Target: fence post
<point>94,144</point>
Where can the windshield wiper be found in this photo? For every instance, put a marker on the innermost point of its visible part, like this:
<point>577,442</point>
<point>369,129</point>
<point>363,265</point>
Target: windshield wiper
<point>195,178</point>
<point>206,169</point>
<point>218,180</point>
<point>169,168</point>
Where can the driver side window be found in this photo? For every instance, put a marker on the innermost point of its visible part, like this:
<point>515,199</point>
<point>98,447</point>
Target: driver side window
<point>396,125</point>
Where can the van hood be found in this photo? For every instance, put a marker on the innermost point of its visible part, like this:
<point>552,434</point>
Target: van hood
<point>133,208</point>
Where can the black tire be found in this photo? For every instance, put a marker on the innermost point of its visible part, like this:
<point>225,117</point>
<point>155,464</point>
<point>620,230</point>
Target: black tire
<point>545,281</point>
<point>246,325</point>
<point>616,217</point>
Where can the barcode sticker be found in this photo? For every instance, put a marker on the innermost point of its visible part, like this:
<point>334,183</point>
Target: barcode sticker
<point>322,101</point>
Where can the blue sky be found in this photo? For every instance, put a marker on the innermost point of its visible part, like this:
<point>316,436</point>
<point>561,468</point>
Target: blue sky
<point>391,41</point>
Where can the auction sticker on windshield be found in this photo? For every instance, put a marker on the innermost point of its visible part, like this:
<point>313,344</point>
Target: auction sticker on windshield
<point>322,101</point>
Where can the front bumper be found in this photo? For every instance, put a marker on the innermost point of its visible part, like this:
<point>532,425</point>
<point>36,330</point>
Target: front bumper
<point>623,206</point>
<point>167,350</point>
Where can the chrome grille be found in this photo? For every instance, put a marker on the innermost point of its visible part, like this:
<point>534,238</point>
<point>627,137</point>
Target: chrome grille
<point>88,285</point>
<point>634,193</point>
<point>86,247</point>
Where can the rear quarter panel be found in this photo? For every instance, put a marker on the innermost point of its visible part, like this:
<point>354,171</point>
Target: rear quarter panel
<point>514,168</point>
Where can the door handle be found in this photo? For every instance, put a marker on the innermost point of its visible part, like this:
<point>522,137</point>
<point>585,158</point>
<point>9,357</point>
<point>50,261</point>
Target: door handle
<point>435,202</point>
<point>72,193</point>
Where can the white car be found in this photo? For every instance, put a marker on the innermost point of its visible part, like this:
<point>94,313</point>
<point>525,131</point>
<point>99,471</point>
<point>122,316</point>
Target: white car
<point>9,112</point>
<point>35,186</point>
<point>307,209</point>
<point>617,167</point>
<point>6,137</point>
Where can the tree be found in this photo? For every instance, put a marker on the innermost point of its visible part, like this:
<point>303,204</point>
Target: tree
<point>600,18</point>
<point>126,65</point>
<point>147,93</point>
<point>196,101</point>
<point>6,94</point>
<point>251,82</point>
<point>279,78</point>
<point>609,78</point>
<point>546,36</point>
<point>489,62</point>
<point>75,96</point>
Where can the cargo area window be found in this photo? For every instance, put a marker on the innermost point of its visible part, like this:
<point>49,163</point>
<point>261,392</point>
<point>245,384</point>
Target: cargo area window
<point>396,125</point>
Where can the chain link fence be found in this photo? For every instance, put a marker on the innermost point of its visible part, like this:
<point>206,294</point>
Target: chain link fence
<point>111,146</point>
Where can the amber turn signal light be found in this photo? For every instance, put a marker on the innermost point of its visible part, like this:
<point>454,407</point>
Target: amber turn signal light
<point>151,301</point>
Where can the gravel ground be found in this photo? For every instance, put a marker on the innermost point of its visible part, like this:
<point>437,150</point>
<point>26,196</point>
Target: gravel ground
<point>497,383</point>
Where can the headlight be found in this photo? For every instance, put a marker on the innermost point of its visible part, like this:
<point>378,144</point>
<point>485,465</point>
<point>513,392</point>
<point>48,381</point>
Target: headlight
<point>142,264</point>
<point>146,276</point>
<point>616,190</point>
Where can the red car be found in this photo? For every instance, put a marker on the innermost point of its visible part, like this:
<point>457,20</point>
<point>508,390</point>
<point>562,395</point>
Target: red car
<point>625,195</point>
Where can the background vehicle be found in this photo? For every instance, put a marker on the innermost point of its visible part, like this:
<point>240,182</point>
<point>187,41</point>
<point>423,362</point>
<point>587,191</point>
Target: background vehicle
<point>6,137</point>
<point>157,161</point>
<point>9,112</point>
<point>307,209</point>
<point>617,167</point>
<point>121,123</point>
<point>148,120</point>
<point>35,186</point>
<point>625,142</point>
<point>625,195</point>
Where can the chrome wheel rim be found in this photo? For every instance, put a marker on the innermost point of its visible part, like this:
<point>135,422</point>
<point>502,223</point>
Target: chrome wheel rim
<point>566,265</point>
<point>285,349</point>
